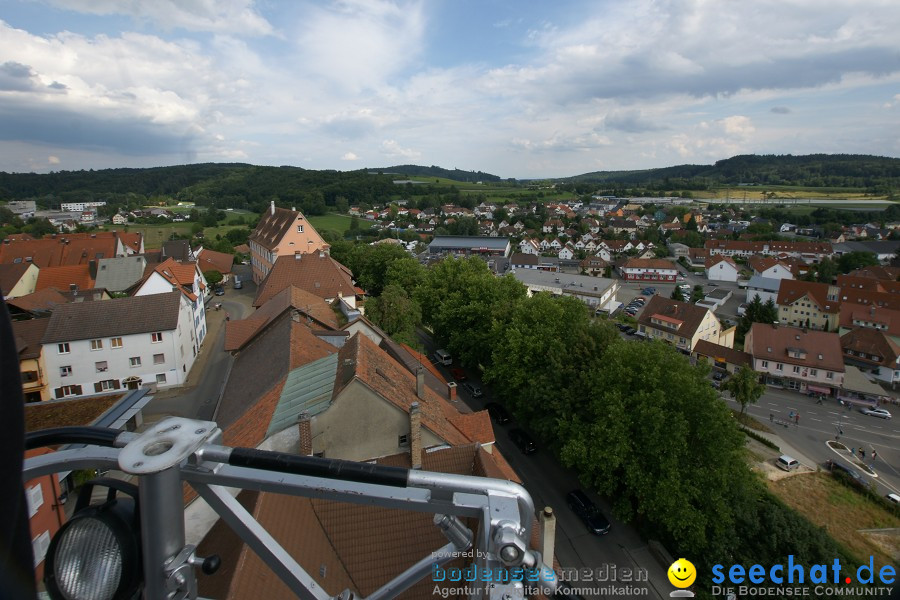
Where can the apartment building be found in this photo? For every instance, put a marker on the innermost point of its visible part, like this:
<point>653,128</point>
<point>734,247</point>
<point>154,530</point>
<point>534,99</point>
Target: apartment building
<point>94,347</point>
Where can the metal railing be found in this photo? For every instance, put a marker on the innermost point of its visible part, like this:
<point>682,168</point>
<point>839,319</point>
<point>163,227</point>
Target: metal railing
<point>178,450</point>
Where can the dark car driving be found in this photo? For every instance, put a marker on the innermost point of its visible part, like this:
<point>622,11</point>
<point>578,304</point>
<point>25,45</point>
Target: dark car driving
<point>588,512</point>
<point>523,441</point>
<point>498,413</point>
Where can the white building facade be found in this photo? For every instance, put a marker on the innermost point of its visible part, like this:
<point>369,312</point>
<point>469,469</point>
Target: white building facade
<point>107,345</point>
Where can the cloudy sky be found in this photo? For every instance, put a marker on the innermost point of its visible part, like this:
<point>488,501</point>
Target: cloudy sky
<point>519,88</point>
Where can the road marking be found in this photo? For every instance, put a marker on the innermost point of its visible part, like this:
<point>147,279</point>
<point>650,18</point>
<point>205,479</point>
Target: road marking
<point>820,420</point>
<point>833,413</point>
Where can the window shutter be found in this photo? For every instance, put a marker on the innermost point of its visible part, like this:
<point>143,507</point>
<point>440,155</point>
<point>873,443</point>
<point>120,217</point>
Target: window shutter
<point>98,387</point>
<point>39,546</point>
<point>116,384</point>
<point>77,389</point>
<point>59,392</point>
<point>35,498</point>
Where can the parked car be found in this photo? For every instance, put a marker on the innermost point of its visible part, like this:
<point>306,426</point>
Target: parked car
<point>631,331</point>
<point>588,512</point>
<point>238,284</point>
<point>719,376</point>
<point>474,390</point>
<point>648,291</point>
<point>787,463</point>
<point>893,498</point>
<point>458,374</point>
<point>498,413</point>
<point>622,326</point>
<point>220,291</point>
<point>876,412</point>
<point>640,300</point>
<point>523,441</point>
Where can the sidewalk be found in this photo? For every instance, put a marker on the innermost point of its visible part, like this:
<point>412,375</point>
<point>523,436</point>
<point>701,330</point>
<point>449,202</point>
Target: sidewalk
<point>786,448</point>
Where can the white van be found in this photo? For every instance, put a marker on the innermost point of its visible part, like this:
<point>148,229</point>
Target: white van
<point>786,463</point>
<point>443,357</point>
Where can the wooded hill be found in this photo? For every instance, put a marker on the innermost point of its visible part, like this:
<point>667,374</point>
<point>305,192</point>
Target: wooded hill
<point>876,174</point>
<point>433,171</point>
<point>243,186</point>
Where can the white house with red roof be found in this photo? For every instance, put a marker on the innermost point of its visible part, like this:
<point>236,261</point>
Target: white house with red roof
<point>721,268</point>
<point>185,277</point>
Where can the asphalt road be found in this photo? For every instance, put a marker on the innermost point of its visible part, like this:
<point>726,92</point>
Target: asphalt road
<point>820,423</point>
<point>199,397</point>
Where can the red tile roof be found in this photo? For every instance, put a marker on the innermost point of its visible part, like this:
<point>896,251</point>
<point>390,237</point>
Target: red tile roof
<point>868,284</point>
<point>649,263</point>
<point>316,273</point>
<point>381,373</point>
<point>67,249</point>
<point>62,278</point>
<point>239,332</point>
<point>866,343</point>
<point>878,272</point>
<point>43,300</point>
<point>674,312</point>
<point>180,275</point>
<point>342,545</point>
<point>28,335</point>
<point>131,240</point>
<point>275,224</point>
<point>772,342</point>
<point>10,274</point>
<point>854,315</point>
<point>792,290</point>
<point>716,351</point>
<point>714,260</point>
<point>210,260</point>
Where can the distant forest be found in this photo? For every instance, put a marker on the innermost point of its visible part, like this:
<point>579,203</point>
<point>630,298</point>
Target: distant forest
<point>433,171</point>
<point>871,174</point>
<point>224,185</point>
<point>243,186</point>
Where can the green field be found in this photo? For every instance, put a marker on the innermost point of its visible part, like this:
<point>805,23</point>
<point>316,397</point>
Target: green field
<point>334,222</point>
<point>155,235</point>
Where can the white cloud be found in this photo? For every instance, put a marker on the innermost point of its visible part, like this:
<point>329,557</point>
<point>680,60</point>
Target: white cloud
<point>220,16</point>
<point>626,84</point>
<point>360,44</point>
<point>736,125</point>
<point>392,148</point>
<point>53,160</point>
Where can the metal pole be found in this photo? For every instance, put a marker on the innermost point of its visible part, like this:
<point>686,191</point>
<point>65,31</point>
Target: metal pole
<point>162,527</point>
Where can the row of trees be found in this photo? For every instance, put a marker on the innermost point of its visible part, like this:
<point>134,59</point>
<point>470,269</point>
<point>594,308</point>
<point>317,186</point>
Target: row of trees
<point>638,422</point>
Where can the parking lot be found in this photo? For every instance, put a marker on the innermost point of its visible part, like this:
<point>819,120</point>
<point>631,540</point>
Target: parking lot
<point>629,290</point>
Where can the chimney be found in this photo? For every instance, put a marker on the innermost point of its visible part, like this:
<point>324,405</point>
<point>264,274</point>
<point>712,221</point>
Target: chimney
<point>272,205</point>
<point>548,535</point>
<point>415,436</point>
<point>451,391</point>
<point>297,255</point>
<point>73,287</point>
<point>305,425</point>
<point>420,383</point>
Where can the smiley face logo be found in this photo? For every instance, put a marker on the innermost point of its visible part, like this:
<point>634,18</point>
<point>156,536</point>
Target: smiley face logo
<point>682,573</point>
